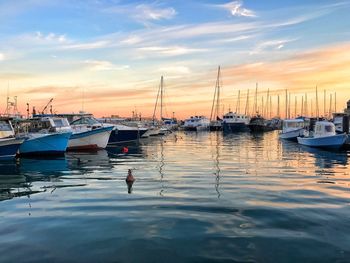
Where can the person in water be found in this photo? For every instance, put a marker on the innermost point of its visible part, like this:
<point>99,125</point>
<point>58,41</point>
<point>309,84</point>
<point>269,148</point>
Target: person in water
<point>129,181</point>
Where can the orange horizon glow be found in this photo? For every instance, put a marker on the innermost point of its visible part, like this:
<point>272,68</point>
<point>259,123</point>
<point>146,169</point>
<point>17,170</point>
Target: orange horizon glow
<point>327,68</point>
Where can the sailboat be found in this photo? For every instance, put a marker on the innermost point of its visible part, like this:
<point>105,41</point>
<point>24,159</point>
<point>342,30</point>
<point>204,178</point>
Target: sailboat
<point>215,120</point>
<point>166,125</point>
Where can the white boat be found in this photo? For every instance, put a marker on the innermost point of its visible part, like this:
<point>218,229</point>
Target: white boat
<point>196,123</point>
<point>233,122</point>
<point>292,128</point>
<point>324,136</point>
<point>89,134</point>
<point>9,145</point>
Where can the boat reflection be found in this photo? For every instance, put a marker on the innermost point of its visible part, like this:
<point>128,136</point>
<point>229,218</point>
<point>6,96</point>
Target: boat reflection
<point>15,185</point>
<point>43,166</point>
<point>215,154</point>
<point>327,159</point>
<point>89,161</point>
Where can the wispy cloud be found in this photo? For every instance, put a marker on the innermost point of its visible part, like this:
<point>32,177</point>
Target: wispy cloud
<point>144,13</point>
<point>271,45</point>
<point>169,51</point>
<point>50,37</point>
<point>88,45</point>
<point>236,9</point>
<point>2,57</point>
<point>100,65</point>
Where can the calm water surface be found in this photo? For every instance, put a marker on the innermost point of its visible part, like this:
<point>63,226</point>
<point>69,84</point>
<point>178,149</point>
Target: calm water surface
<point>199,198</point>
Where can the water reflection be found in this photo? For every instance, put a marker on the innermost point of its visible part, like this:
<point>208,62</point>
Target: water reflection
<point>216,158</point>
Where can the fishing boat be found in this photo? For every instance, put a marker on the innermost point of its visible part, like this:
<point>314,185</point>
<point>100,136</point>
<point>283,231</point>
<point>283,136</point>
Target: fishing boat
<point>123,133</point>
<point>9,145</point>
<point>233,122</point>
<point>89,134</point>
<point>43,136</point>
<point>292,128</point>
<point>323,136</point>
<point>259,124</point>
<point>196,123</point>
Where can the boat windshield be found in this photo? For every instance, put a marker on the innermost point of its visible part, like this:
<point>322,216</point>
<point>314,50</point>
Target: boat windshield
<point>5,126</point>
<point>329,128</point>
<point>87,121</point>
<point>61,123</point>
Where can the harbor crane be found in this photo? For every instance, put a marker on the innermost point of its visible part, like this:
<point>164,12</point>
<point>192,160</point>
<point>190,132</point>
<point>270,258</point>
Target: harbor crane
<point>46,106</point>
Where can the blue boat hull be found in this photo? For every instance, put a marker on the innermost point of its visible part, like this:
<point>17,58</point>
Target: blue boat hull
<point>9,149</point>
<point>234,127</point>
<point>49,144</point>
<point>118,136</point>
<point>329,142</point>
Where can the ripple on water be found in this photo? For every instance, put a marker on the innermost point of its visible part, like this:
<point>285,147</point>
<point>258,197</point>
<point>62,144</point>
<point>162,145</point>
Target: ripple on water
<point>201,198</point>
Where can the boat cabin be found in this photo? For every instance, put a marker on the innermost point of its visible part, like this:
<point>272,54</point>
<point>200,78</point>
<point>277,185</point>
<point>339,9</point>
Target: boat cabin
<point>324,129</point>
<point>292,125</point>
<point>6,129</point>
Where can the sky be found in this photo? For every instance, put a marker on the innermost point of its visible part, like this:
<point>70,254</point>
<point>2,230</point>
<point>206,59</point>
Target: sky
<point>107,56</point>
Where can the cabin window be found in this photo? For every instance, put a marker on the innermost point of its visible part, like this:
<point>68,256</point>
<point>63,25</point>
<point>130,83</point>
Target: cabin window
<point>329,128</point>
<point>5,126</point>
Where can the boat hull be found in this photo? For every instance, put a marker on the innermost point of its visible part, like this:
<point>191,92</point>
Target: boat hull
<point>259,128</point>
<point>235,127</point>
<point>90,140</point>
<point>291,135</point>
<point>9,148</point>
<point>330,142</point>
<point>45,144</point>
<point>196,128</point>
<point>119,136</point>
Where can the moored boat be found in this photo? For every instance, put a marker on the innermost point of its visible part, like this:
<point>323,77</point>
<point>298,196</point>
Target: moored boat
<point>292,128</point>
<point>196,123</point>
<point>324,136</point>
<point>45,143</point>
<point>233,122</point>
<point>259,124</point>
<point>9,145</point>
<point>89,134</point>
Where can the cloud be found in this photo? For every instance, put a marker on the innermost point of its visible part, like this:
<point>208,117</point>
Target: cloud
<point>144,13</point>
<point>170,51</point>
<point>236,9</point>
<point>271,45</point>
<point>148,12</point>
<point>87,46</point>
<point>2,57</point>
<point>100,65</point>
<point>50,37</point>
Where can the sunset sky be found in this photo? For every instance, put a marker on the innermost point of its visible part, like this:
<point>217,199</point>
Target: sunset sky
<point>107,57</point>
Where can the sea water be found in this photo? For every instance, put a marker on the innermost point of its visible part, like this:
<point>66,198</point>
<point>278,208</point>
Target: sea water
<point>197,197</point>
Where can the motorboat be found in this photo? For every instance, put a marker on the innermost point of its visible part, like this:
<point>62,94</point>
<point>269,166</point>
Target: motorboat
<point>233,122</point>
<point>323,136</point>
<point>9,144</point>
<point>196,123</point>
<point>292,128</point>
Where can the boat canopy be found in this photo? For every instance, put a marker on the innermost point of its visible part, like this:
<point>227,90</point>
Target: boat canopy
<point>324,128</point>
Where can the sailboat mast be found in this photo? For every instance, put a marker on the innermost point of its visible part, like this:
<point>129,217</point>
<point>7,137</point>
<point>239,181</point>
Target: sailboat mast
<point>218,95</point>
<point>155,106</point>
<point>247,104</point>
<point>324,103</point>
<point>255,99</point>
<point>286,110</point>
<point>161,98</point>
<point>317,109</point>
<point>238,106</point>
<point>212,113</point>
<point>278,105</point>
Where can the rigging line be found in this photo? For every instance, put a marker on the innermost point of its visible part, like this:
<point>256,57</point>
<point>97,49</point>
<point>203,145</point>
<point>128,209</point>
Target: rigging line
<point>155,106</point>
